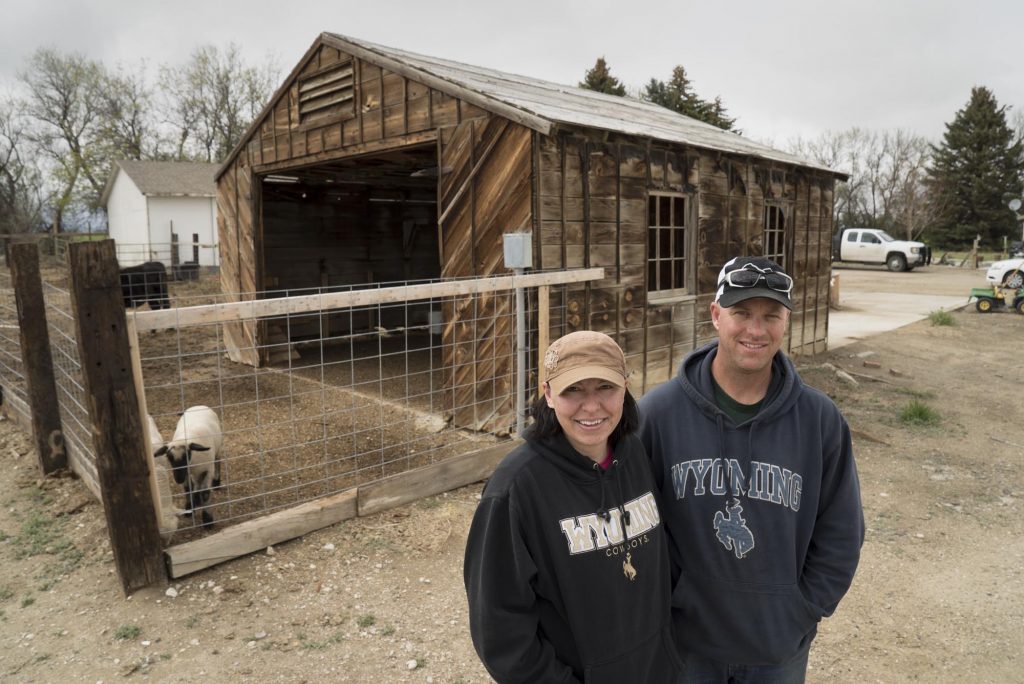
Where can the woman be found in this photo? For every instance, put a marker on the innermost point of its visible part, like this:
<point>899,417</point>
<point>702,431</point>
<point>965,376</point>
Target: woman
<point>567,568</point>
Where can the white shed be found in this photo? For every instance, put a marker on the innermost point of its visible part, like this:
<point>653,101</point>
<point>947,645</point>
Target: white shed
<point>148,202</point>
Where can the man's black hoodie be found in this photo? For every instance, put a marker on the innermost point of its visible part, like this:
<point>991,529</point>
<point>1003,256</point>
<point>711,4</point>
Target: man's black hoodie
<point>764,519</point>
<point>558,591</point>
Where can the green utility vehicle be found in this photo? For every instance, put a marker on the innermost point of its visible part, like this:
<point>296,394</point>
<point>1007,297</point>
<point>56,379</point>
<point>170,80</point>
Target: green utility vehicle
<point>989,298</point>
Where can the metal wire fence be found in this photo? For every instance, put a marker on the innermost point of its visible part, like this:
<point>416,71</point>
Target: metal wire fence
<point>12,371</point>
<point>317,393</point>
<point>343,396</point>
<point>184,260</point>
<point>76,426</point>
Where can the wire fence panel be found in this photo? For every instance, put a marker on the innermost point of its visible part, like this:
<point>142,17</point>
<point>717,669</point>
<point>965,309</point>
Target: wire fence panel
<point>12,370</point>
<point>76,425</point>
<point>343,396</point>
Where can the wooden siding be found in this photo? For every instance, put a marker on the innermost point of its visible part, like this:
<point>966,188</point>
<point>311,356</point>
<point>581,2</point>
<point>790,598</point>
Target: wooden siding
<point>484,193</point>
<point>387,112</point>
<point>237,270</point>
<point>584,195</point>
<point>385,107</point>
<point>593,212</point>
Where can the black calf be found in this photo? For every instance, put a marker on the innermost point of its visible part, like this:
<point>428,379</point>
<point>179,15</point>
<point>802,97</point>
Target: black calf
<point>145,283</point>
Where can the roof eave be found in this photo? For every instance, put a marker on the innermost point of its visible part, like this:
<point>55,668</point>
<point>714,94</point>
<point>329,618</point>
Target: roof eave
<point>109,187</point>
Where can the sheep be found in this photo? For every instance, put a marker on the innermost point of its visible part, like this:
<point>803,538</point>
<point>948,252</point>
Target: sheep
<point>169,513</point>
<point>195,453</point>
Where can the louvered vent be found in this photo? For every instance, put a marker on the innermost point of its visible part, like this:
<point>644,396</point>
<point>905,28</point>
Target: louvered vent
<point>328,89</point>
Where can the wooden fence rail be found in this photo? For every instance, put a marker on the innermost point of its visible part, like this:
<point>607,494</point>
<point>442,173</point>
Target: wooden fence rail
<point>257,308</point>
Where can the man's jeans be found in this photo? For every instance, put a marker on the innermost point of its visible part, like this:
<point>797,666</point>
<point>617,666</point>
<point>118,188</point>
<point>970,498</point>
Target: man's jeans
<point>704,671</point>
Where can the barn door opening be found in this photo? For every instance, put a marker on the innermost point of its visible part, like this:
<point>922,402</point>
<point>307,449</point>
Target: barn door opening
<point>359,222</point>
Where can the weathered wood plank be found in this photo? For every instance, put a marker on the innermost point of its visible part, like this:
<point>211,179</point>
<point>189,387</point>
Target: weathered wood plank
<point>449,474</point>
<point>41,388</point>
<point>113,409</point>
<point>257,308</point>
<point>258,534</point>
<point>372,147</point>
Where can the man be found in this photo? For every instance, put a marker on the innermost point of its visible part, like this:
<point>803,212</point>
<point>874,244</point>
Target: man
<point>759,490</point>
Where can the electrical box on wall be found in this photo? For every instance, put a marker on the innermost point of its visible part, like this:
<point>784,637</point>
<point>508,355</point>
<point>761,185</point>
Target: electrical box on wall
<point>518,250</point>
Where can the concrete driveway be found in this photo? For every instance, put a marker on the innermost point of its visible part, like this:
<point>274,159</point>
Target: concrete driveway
<point>874,300</point>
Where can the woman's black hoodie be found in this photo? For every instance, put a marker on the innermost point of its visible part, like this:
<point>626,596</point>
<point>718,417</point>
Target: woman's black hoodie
<point>557,592</point>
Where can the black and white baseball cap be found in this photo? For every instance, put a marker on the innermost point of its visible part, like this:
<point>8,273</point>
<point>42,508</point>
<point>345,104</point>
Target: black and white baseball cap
<point>747,277</point>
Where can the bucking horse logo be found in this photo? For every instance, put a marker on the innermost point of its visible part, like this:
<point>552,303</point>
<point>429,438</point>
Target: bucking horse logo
<point>732,529</point>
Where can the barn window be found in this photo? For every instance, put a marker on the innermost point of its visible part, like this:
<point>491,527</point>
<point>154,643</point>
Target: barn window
<point>668,238</point>
<point>327,93</point>
<point>775,234</point>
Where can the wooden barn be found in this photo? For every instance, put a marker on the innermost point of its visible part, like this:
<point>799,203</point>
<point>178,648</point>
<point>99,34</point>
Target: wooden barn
<point>371,164</point>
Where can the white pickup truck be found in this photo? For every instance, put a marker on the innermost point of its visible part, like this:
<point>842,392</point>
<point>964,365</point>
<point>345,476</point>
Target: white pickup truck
<point>874,246</point>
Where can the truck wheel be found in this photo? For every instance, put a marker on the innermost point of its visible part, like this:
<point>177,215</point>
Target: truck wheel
<point>1020,305</point>
<point>896,262</point>
<point>983,305</point>
<point>1014,279</point>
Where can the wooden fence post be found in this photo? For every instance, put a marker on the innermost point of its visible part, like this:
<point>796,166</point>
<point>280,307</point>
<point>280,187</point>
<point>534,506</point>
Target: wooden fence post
<point>121,460</point>
<point>543,333</point>
<point>23,259</point>
<point>174,250</point>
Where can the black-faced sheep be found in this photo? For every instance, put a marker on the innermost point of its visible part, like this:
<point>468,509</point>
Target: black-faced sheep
<point>195,453</point>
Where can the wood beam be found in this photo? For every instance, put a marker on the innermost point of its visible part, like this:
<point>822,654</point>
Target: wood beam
<point>112,401</point>
<point>23,259</point>
<point>256,308</point>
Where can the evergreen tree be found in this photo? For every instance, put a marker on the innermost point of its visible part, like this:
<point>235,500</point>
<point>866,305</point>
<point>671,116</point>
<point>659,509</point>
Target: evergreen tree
<point>679,96</point>
<point>600,79</point>
<point>978,162</point>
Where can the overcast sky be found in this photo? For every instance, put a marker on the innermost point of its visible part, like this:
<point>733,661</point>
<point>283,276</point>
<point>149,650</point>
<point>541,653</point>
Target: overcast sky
<point>782,67</point>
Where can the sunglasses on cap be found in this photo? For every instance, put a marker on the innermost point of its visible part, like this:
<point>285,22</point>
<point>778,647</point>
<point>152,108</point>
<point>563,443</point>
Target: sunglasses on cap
<point>750,275</point>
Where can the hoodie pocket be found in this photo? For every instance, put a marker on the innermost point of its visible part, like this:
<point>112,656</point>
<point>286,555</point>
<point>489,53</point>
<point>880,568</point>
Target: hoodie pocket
<point>653,660</point>
<point>742,622</point>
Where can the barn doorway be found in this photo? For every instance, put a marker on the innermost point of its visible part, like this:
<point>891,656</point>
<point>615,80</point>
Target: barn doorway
<point>351,223</point>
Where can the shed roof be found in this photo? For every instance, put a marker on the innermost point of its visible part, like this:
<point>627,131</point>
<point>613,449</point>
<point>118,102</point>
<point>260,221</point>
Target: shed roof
<point>541,105</point>
<point>166,178</point>
<point>565,104</point>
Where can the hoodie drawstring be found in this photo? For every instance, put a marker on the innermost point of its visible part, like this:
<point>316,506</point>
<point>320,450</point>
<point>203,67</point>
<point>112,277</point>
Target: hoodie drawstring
<point>601,510</point>
<point>622,496</point>
<point>720,421</point>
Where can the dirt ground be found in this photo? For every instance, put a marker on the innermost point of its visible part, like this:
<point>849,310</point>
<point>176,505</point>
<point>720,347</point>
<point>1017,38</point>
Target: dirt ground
<point>939,596</point>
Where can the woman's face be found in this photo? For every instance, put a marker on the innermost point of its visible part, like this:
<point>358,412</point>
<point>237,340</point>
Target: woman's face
<point>588,412</point>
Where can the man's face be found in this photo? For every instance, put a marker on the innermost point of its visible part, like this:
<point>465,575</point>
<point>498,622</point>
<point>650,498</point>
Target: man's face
<point>749,334</point>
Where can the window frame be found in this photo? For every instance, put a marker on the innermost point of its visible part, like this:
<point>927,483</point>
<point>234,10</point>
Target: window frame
<point>778,249</point>
<point>685,259</point>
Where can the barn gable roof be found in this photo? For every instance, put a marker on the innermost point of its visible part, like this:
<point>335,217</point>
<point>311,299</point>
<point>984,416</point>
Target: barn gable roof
<point>552,103</point>
<point>540,105</point>
<point>166,178</point>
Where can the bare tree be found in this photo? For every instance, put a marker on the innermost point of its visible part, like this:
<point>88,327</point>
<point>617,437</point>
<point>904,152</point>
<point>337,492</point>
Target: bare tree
<point>64,100</point>
<point>212,99</point>
<point>127,129</point>
<point>20,182</point>
<point>885,188</point>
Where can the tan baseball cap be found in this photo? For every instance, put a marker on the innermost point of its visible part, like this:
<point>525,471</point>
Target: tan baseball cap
<point>581,355</point>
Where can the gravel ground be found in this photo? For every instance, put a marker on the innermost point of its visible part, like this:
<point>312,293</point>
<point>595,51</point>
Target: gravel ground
<point>939,596</point>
